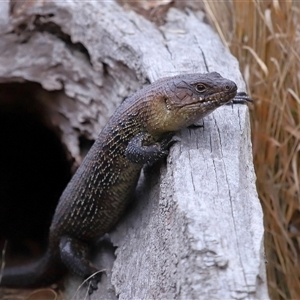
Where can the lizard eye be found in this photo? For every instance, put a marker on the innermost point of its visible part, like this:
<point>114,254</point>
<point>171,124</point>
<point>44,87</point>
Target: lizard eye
<point>200,88</point>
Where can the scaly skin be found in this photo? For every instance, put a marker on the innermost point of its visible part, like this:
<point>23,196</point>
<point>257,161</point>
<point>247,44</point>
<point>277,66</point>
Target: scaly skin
<point>138,133</point>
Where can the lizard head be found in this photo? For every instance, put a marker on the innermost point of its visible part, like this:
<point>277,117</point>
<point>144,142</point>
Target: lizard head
<point>184,99</point>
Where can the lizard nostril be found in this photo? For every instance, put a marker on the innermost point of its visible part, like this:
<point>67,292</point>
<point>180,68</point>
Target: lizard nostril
<point>227,87</point>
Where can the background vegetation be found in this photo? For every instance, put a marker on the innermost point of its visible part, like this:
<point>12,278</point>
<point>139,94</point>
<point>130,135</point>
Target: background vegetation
<point>264,36</point>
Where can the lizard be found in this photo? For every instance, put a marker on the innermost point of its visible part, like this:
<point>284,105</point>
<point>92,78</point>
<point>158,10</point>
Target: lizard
<point>140,132</point>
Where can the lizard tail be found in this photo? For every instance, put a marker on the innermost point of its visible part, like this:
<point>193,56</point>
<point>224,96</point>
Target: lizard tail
<point>45,271</point>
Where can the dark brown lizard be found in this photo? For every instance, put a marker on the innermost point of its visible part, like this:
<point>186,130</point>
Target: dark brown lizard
<point>138,133</point>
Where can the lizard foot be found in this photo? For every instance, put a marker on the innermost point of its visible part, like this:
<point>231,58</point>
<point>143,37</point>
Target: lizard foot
<point>169,140</point>
<point>93,281</point>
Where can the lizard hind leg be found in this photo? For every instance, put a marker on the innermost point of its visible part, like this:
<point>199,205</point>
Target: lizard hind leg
<point>74,254</point>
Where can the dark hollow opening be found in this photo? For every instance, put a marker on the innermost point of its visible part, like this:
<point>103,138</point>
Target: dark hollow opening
<point>33,170</point>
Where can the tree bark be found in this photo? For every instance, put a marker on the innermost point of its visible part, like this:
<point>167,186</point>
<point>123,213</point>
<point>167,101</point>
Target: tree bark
<point>196,230</point>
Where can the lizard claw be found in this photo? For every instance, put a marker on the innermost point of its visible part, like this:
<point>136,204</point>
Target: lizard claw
<point>168,141</point>
<point>93,282</point>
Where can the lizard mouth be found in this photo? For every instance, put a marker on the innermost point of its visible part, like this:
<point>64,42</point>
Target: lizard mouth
<point>217,99</point>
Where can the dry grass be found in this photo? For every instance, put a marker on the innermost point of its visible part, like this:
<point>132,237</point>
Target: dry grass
<point>263,35</point>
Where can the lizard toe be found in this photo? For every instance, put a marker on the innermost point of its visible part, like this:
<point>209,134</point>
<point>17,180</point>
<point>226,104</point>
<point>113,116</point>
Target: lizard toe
<point>93,283</point>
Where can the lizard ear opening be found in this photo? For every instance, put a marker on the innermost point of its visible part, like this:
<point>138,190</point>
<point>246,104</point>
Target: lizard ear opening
<point>34,170</point>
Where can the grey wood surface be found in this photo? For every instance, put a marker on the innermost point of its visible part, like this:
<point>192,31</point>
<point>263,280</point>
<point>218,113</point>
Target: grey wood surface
<point>196,228</point>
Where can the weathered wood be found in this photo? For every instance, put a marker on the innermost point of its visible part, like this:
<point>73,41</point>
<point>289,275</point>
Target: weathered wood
<point>196,231</point>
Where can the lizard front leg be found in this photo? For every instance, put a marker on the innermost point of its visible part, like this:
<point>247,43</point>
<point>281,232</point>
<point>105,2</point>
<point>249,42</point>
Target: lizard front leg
<point>143,149</point>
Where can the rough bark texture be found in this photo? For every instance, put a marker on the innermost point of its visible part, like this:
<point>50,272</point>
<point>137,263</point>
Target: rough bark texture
<point>196,231</point>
